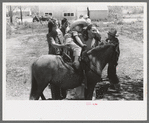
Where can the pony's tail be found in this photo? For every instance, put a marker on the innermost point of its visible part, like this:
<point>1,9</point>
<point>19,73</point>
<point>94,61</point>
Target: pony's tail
<point>33,85</point>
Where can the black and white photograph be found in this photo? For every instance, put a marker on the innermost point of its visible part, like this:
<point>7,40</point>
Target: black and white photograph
<point>62,56</point>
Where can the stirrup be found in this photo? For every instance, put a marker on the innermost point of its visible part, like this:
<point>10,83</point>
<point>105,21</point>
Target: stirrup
<point>66,58</point>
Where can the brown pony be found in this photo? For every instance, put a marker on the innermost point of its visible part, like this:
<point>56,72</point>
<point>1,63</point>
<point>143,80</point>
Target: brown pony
<point>52,69</point>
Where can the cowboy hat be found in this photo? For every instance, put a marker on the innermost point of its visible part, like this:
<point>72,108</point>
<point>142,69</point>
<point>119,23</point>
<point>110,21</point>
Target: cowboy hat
<point>78,22</point>
<point>113,32</point>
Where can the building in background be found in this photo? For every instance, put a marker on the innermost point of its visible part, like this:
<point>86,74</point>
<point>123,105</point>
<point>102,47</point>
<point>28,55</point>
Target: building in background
<point>72,12</point>
<point>25,11</point>
<point>58,11</point>
<point>98,12</point>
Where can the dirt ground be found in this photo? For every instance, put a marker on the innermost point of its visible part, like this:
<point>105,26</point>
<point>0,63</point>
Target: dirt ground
<point>23,46</point>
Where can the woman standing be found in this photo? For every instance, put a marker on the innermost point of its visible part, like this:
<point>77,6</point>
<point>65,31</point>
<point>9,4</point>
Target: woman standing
<point>91,35</point>
<point>54,38</point>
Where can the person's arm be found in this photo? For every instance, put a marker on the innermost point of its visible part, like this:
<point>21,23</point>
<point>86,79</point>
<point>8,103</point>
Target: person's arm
<point>55,45</point>
<point>75,34</point>
<point>79,41</point>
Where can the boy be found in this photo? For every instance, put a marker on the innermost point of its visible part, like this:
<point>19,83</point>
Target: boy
<point>73,41</point>
<point>113,40</point>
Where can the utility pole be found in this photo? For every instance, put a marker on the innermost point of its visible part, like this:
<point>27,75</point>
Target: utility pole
<point>88,12</point>
<point>11,14</point>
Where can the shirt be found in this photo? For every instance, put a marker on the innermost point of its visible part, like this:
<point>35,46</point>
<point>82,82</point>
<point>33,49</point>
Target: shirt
<point>58,38</point>
<point>115,42</point>
<point>52,50</point>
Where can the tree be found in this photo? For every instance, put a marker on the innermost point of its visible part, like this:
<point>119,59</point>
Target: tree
<point>115,12</point>
<point>10,12</point>
<point>11,15</point>
<point>35,10</point>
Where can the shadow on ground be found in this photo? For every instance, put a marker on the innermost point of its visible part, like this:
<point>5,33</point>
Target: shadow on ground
<point>130,89</point>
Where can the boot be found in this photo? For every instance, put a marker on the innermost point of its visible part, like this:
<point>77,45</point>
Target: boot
<point>114,88</point>
<point>76,63</point>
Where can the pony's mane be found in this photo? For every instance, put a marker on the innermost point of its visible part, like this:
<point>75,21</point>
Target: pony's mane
<point>100,48</point>
<point>103,52</point>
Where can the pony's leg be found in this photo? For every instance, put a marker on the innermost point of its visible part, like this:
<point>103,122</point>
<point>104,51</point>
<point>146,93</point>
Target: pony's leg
<point>63,93</point>
<point>55,90</point>
<point>89,91</point>
<point>34,87</point>
<point>38,91</point>
<point>43,97</point>
<point>41,86</point>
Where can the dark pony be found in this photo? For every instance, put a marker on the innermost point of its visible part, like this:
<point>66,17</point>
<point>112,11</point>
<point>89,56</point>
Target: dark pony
<point>52,69</point>
<point>36,19</point>
<point>40,19</point>
<point>99,53</point>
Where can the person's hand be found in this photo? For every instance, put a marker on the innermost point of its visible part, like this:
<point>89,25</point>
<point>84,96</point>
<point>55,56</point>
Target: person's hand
<point>67,45</point>
<point>84,46</point>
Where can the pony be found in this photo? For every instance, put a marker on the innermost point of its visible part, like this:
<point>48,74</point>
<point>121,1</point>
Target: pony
<point>36,19</point>
<point>52,69</point>
<point>40,19</point>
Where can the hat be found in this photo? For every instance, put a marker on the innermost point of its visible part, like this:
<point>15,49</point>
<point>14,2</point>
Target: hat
<point>86,16</point>
<point>113,32</point>
<point>78,22</point>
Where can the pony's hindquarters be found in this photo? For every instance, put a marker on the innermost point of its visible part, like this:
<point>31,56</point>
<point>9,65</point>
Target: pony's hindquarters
<point>38,82</point>
<point>52,69</point>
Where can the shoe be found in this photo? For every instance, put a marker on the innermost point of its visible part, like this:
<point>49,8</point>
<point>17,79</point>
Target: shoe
<point>114,88</point>
<point>76,66</point>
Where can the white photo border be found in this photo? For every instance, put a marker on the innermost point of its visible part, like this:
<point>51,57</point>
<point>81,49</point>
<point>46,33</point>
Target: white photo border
<point>74,110</point>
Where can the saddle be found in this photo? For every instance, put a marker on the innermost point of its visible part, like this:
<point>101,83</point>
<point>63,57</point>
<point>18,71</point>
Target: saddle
<point>67,59</point>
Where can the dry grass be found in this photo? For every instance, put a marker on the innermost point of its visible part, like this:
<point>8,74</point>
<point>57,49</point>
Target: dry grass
<point>133,30</point>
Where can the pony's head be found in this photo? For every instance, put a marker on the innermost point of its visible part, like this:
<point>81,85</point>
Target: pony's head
<point>99,57</point>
